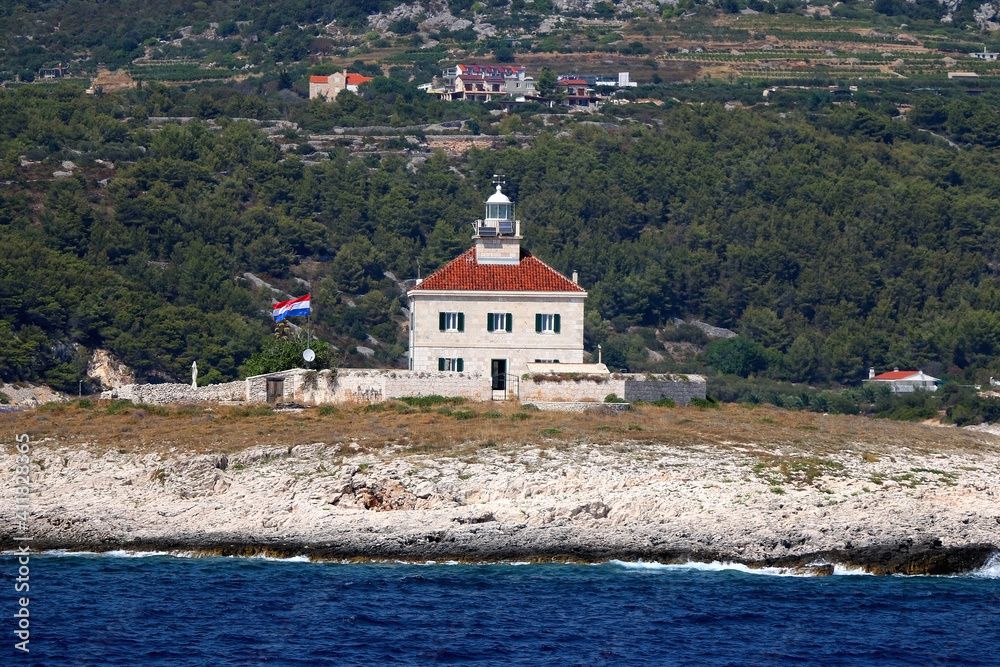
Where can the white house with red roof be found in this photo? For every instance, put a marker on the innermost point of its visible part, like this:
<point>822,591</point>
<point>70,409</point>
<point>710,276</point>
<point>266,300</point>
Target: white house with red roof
<point>904,382</point>
<point>496,307</point>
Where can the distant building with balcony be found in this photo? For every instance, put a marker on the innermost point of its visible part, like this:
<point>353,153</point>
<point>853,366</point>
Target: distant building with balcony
<point>577,92</point>
<point>482,83</point>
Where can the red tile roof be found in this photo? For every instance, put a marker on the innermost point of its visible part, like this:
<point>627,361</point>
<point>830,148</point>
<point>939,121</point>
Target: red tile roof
<point>895,375</point>
<point>356,79</point>
<point>529,275</point>
<point>318,79</point>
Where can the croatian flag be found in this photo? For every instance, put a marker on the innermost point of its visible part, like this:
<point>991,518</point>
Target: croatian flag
<point>299,306</point>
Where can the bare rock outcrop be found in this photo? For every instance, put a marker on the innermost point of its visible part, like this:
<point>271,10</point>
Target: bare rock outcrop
<point>908,513</point>
<point>109,372</point>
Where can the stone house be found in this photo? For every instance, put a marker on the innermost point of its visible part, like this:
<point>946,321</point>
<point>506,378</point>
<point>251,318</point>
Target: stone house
<point>496,307</point>
<point>328,87</point>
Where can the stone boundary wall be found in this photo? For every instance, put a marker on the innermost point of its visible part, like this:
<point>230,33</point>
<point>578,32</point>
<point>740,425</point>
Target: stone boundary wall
<point>395,384</point>
<point>178,393</point>
<point>629,386</point>
<point>531,389</point>
<point>581,407</point>
<point>680,391</point>
<point>359,385</point>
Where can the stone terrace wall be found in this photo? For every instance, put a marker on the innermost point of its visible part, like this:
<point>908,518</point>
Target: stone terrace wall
<point>629,386</point>
<point>360,385</point>
<point>585,388</point>
<point>178,393</point>
<point>681,390</point>
<point>357,385</point>
<point>384,384</point>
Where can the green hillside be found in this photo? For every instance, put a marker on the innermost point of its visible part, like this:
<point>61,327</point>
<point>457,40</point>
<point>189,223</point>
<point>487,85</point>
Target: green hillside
<point>832,237</point>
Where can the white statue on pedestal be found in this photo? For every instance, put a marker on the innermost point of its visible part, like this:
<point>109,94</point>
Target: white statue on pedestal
<point>194,374</point>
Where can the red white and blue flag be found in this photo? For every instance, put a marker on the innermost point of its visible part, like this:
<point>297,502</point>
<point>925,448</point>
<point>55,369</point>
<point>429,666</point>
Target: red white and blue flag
<point>299,306</point>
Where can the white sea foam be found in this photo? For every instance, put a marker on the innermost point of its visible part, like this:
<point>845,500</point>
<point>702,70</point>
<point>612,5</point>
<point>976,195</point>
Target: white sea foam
<point>991,570</point>
<point>123,553</point>
<point>720,566</point>
<point>106,554</point>
<point>273,559</point>
<point>136,554</point>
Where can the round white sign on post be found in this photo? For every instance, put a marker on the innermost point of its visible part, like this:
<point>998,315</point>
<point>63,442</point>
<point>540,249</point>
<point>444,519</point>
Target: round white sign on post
<point>308,354</point>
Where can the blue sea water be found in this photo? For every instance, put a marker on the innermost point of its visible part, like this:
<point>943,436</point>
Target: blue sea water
<point>121,609</point>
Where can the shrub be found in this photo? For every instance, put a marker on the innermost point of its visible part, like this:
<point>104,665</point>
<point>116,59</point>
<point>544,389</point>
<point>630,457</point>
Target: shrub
<point>432,400</point>
<point>118,407</point>
<point>327,410</point>
<point>613,398</point>
<point>703,403</point>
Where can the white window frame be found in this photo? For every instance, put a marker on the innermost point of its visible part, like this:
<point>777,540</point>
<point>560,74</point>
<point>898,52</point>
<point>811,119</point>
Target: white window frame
<point>451,364</point>
<point>451,322</point>
<point>548,323</point>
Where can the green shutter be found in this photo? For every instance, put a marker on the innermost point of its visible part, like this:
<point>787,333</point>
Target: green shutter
<point>489,321</point>
<point>461,321</point>
<point>510,323</point>
<point>555,323</point>
<point>538,322</point>
<point>441,321</point>
<point>460,365</point>
<point>440,363</point>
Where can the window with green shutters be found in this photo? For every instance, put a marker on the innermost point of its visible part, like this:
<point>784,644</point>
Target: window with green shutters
<point>547,323</point>
<point>451,364</point>
<point>451,321</point>
<point>500,322</point>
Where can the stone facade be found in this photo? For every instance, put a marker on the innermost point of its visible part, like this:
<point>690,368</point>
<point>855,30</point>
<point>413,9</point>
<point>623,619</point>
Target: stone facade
<point>478,346</point>
<point>327,87</point>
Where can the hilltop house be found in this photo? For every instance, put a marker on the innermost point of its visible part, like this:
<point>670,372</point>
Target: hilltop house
<point>904,382</point>
<point>578,92</point>
<point>329,87</point>
<point>495,308</point>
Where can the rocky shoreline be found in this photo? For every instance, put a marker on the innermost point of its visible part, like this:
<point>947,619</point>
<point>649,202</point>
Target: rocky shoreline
<point>905,513</point>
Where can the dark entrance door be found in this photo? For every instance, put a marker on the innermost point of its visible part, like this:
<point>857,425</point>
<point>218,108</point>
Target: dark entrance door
<point>275,389</point>
<point>498,369</point>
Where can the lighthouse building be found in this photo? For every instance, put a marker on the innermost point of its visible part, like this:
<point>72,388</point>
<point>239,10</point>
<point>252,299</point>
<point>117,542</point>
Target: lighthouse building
<point>496,307</point>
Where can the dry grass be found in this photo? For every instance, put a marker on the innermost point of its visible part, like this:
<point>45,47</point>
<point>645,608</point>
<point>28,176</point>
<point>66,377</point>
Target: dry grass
<point>462,429</point>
